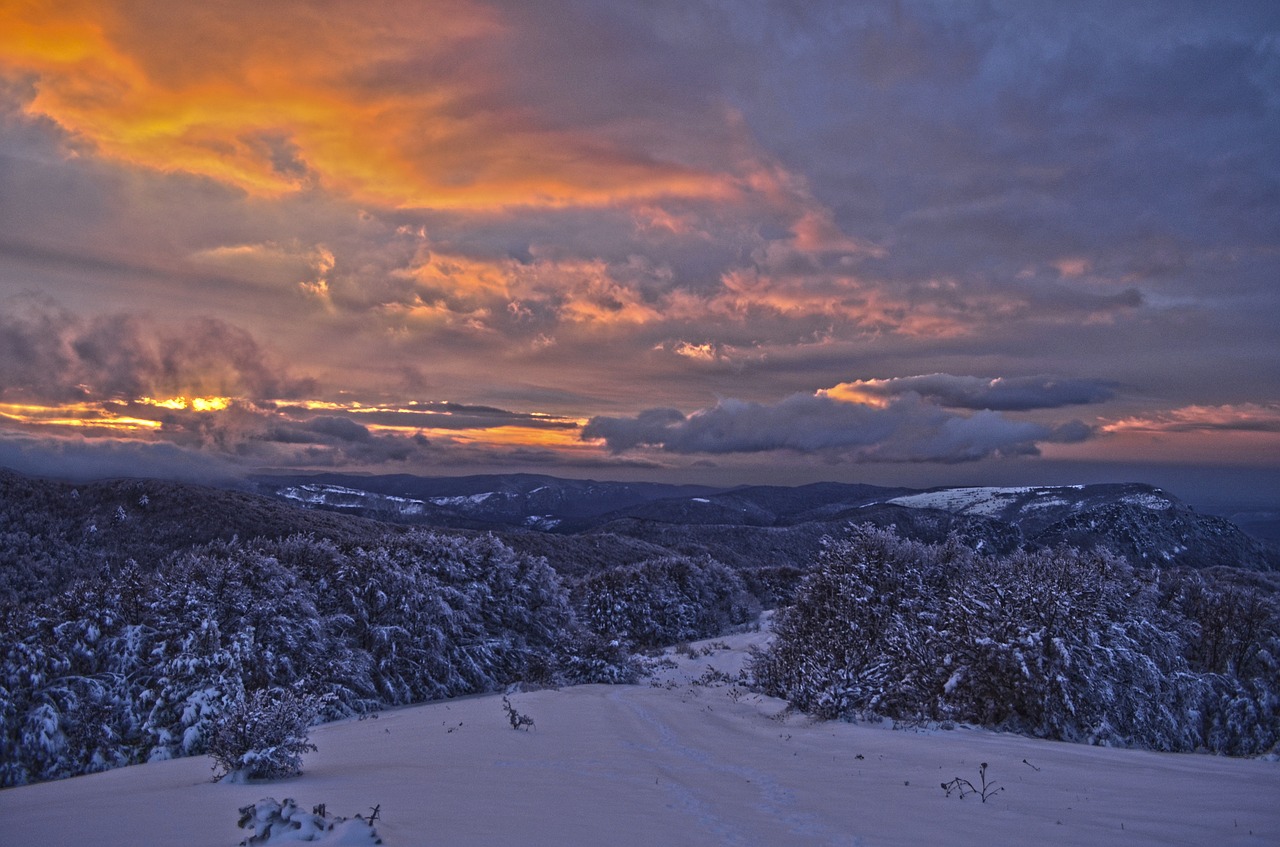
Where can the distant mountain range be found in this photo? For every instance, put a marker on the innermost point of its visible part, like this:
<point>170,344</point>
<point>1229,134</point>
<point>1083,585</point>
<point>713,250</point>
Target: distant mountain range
<point>771,525</point>
<point>52,532</point>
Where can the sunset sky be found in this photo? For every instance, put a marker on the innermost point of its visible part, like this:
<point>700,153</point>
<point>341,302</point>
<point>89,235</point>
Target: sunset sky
<point>703,240</point>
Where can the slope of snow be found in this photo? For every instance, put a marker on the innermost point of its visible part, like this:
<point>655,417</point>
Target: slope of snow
<point>1152,501</point>
<point>975,501</point>
<point>674,761</point>
<point>463,500</point>
<point>339,497</point>
<point>992,502</point>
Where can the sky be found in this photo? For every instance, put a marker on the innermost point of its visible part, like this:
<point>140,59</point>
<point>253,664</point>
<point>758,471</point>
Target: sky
<point>899,242</point>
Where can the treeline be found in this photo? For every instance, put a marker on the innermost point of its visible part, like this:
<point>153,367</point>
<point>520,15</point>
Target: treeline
<point>138,665</point>
<point>664,601</point>
<point>53,534</point>
<point>1055,644</point>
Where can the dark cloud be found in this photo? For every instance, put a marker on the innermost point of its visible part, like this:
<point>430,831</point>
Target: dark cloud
<point>283,153</point>
<point>999,394</point>
<point>48,353</point>
<point>905,430</point>
<point>97,458</point>
<point>438,415</point>
<point>263,436</point>
<point>343,429</point>
<point>650,427</point>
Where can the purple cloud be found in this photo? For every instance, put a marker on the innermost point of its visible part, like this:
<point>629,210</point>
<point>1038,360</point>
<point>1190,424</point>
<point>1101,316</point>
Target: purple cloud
<point>998,394</point>
<point>906,429</point>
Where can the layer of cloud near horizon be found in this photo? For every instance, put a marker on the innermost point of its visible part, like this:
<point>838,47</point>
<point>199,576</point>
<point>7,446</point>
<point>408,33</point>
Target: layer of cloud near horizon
<point>904,430</point>
<point>971,392</point>
<point>468,234</point>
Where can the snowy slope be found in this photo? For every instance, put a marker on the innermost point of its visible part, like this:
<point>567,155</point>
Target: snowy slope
<point>674,762</point>
<point>986,501</point>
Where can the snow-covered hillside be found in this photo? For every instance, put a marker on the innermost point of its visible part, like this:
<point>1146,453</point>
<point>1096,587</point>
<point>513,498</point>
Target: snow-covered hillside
<point>688,758</point>
<point>1034,507</point>
<point>987,501</point>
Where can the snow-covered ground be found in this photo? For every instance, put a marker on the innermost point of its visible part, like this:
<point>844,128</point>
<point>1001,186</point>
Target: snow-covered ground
<point>674,761</point>
<point>989,502</point>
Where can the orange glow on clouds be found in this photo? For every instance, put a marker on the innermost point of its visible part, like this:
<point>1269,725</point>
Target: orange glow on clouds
<point>855,392</point>
<point>560,440</point>
<point>464,292</point>
<point>458,291</point>
<point>76,416</point>
<point>196,404</point>
<point>1244,433</point>
<point>1242,417</point>
<point>273,98</point>
<point>543,431</point>
<point>698,352</point>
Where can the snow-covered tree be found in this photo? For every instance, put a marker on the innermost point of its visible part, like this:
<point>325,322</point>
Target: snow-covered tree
<point>664,601</point>
<point>1055,643</point>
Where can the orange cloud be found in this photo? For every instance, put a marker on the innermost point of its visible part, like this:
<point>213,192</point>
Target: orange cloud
<point>1072,266</point>
<point>354,431</point>
<point>566,440</point>
<point>458,290</point>
<point>1241,417</point>
<point>365,98</point>
<point>844,298</point>
<point>701,352</point>
<point>857,392</point>
<point>785,282</point>
<point>80,416</point>
<point>462,276</point>
<point>196,404</point>
<point>1243,433</point>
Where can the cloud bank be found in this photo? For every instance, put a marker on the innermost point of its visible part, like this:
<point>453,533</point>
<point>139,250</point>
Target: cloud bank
<point>905,430</point>
<point>971,392</point>
<point>48,353</point>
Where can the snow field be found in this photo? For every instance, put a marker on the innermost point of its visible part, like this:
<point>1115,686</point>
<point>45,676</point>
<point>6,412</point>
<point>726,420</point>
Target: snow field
<point>674,761</point>
<point>977,501</point>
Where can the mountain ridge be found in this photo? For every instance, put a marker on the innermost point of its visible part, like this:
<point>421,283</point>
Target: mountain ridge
<point>1142,522</point>
<point>53,533</point>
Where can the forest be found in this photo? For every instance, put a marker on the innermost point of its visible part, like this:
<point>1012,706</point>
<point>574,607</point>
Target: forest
<point>137,623</point>
<point>141,664</point>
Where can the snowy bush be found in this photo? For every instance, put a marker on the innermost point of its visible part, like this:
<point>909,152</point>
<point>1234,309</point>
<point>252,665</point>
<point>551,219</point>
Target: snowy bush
<point>773,585</point>
<point>263,735</point>
<point>663,601</point>
<point>855,641</point>
<point>1056,643</point>
<point>272,822</point>
<point>589,658</point>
